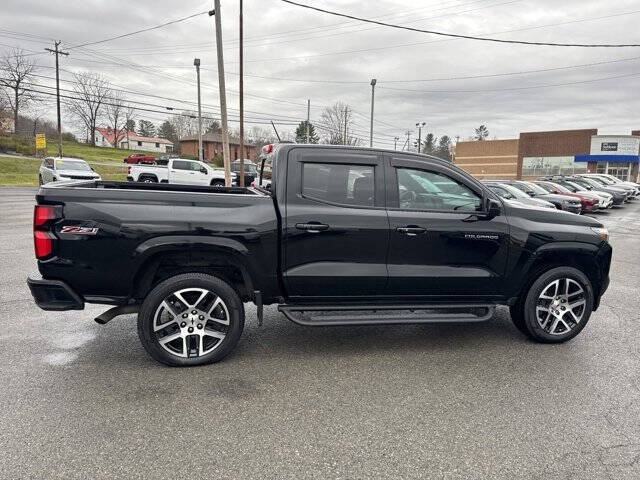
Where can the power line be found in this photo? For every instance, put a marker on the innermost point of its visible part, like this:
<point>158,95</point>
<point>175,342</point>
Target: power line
<point>454,35</point>
<point>155,27</point>
<point>577,82</point>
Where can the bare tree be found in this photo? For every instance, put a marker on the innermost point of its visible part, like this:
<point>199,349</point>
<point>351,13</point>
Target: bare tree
<point>15,70</point>
<point>335,124</point>
<point>91,92</point>
<point>129,122</point>
<point>116,116</point>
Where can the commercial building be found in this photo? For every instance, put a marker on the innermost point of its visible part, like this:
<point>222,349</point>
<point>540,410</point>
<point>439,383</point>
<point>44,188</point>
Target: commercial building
<point>212,146</point>
<point>535,154</point>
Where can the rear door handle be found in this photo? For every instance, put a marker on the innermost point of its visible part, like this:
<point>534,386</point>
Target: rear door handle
<point>411,230</point>
<point>312,227</point>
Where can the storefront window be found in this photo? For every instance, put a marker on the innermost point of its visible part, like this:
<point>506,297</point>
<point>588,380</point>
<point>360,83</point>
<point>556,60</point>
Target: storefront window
<point>619,170</point>
<point>540,166</point>
<point>601,168</point>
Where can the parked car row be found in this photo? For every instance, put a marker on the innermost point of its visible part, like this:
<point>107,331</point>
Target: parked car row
<point>580,193</point>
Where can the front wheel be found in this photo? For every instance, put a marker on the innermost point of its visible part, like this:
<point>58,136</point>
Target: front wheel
<point>191,319</point>
<point>556,307</point>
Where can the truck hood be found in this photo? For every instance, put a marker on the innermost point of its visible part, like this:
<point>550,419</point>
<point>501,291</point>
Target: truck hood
<point>558,198</point>
<point>547,215</point>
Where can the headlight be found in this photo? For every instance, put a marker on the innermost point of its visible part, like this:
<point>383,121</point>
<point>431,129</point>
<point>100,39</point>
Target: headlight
<point>602,232</point>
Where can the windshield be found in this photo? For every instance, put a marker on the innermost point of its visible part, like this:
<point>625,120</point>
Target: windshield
<point>514,191</point>
<point>560,188</point>
<point>72,165</point>
<point>604,180</point>
<point>577,186</point>
<point>568,187</point>
<point>592,182</point>
<point>532,187</point>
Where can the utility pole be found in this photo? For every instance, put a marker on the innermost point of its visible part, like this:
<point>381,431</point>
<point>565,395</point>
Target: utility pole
<point>373,89</point>
<point>346,113</point>
<point>57,53</point>
<point>196,62</point>
<point>395,142</point>
<point>408,134</point>
<point>308,115</point>
<point>223,93</point>
<point>241,101</point>
<point>420,125</point>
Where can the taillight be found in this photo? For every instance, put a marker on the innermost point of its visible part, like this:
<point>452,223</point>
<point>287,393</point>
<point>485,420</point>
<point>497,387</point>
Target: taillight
<point>43,242</point>
<point>42,235</point>
<point>43,213</point>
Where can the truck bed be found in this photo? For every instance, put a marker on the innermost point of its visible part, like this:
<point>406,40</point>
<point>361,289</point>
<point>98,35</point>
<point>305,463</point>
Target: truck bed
<point>156,187</point>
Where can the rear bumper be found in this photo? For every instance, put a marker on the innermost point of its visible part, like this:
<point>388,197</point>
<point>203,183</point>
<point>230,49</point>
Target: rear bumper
<point>53,294</point>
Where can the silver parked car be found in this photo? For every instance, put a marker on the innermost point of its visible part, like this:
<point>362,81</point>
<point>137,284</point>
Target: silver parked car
<point>57,169</point>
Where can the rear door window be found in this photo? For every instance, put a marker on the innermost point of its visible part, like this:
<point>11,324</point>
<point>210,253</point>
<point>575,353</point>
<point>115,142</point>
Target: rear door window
<point>181,165</point>
<point>339,183</point>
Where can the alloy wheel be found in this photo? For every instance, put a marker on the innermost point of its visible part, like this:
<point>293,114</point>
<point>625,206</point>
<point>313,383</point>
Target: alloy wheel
<point>191,322</point>
<point>560,306</point>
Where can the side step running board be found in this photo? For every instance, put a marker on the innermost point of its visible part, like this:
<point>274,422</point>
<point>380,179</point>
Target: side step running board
<point>324,315</point>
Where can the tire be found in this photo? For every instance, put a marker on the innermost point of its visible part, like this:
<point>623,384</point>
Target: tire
<point>217,183</point>
<point>195,341</point>
<point>533,313</point>
<point>148,179</point>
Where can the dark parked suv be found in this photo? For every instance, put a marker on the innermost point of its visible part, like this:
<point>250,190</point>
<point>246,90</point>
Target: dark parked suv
<point>345,236</point>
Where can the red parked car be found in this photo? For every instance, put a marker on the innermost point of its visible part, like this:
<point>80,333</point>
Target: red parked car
<point>136,158</point>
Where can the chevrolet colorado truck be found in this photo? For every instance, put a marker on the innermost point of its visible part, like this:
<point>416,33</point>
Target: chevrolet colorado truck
<point>344,236</point>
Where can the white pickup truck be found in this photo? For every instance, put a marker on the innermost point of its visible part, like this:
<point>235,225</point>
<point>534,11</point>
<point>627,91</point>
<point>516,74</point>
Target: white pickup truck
<point>179,170</point>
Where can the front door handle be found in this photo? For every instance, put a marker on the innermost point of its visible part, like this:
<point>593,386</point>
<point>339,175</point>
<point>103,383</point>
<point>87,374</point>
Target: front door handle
<point>411,230</point>
<point>312,227</point>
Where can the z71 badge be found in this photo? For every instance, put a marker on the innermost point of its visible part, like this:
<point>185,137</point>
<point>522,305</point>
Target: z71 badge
<point>79,230</point>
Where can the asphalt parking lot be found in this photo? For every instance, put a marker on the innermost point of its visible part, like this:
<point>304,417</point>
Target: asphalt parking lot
<point>83,401</point>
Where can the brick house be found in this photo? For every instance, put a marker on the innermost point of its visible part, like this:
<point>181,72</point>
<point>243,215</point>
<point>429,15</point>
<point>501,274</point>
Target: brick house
<point>212,145</point>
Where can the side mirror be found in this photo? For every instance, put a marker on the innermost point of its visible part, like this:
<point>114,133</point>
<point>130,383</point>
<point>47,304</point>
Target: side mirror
<point>494,208</point>
<point>203,170</point>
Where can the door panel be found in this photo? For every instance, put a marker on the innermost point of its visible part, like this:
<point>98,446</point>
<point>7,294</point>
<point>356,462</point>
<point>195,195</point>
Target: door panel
<point>440,245</point>
<point>336,230</point>
<point>180,172</point>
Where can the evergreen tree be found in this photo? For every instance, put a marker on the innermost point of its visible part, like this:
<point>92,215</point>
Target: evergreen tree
<point>481,133</point>
<point>168,131</point>
<point>444,148</point>
<point>301,133</point>
<point>429,144</point>
<point>146,128</point>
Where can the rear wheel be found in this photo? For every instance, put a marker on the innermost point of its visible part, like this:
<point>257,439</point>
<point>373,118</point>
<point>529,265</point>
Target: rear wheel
<point>191,319</point>
<point>148,179</point>
<point>217,183</point>
<point>556,307</point>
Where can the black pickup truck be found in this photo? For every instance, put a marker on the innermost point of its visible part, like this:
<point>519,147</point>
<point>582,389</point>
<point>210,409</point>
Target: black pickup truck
<point>344,236</point>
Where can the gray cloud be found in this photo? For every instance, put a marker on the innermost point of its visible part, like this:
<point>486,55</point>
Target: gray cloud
<point>276,32</point>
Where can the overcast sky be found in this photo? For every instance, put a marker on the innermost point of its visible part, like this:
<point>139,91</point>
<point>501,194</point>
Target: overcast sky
<point>285,43</point>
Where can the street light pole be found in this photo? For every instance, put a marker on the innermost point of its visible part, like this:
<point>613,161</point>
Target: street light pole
<point>223,93</point>
<point>420,125</point>
<point>373,89</point>
<point>196,62</point>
